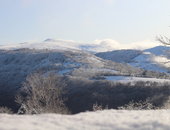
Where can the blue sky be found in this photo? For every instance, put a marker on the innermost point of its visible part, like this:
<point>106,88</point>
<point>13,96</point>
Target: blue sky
<point>125,21</point>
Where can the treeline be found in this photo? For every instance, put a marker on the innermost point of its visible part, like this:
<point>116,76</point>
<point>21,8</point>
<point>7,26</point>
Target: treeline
<point>50,93</point>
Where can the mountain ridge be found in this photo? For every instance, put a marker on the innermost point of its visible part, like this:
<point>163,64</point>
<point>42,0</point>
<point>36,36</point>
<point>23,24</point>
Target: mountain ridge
<point>95,46</point>
<point>154,59</point>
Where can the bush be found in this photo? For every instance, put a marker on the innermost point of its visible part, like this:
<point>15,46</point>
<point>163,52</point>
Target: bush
<point>97,107</point>
<point>141,105</point>
<point>166,105</point>
<point>5,110</point>
<point>42,94</point>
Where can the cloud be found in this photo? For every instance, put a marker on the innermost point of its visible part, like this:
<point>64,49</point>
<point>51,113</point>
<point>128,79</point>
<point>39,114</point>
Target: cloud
<point>114,45</point>
<point>144,44</point>
<point>95,46</point>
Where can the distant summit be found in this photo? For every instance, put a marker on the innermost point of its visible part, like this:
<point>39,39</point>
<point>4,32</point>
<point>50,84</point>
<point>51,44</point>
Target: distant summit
<point>49,40</point>
<point>154,59</point>
<point>94,47</point>
<point>158,50</point>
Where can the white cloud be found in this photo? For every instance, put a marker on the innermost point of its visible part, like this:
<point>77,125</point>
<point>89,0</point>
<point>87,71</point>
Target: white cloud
<point>143,44</point>
<point>96,46</point>
<point>135,45</point>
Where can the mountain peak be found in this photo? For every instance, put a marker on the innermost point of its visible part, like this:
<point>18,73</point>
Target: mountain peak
<point>158,50</point>
<point>49,40</point>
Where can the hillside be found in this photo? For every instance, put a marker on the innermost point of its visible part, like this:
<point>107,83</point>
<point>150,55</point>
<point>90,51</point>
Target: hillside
<point>17,64</point>
<point>96,46</point>
<point>77,66</point>
<point>75,59</point>
<point>81,70</point>
<point>154,59</point>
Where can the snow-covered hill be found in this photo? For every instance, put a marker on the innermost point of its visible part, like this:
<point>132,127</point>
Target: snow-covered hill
<point>69,58</point>
<point>75,59</point>
<point>100,120</point>
<point>17,64</point>
<point>121,56</point>
<point>78,67</point>
<point>96,46</point>
<point>154,59</point>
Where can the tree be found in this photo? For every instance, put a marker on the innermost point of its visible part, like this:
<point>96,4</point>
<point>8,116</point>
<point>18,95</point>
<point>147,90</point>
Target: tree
<point>163,39</point>
<point>42,94</point>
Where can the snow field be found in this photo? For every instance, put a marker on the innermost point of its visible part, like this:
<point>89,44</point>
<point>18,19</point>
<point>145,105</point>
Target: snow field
<point>100,120</point>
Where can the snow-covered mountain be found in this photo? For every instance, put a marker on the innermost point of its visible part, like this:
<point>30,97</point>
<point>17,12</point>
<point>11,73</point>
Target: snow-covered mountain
<point>82,70</point>
<point>73,58</point>
<point>154,59</point>
<point>121,56</point>
<point>17,64</point>
<point>96,46</point>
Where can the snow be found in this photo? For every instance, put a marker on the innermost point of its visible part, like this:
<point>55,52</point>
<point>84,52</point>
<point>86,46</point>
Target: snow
<point>121,56</point>
<point>154,59</point>
<point>62,45</point>
<point>158,50</point>
<point>149,61</point>
<point>94,46</point>
<point>100,120</point>
<point>132,79</point>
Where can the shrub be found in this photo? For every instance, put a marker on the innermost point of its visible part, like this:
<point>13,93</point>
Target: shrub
<point>5,110</point>
<point>166,105</point>
<point>141,105</point>
<point>97,107</point>
<point>42,94</point>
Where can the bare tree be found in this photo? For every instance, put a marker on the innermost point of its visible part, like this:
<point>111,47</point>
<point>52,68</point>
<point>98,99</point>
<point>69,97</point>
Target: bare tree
<point>163,39</point>
<point>42,94</point>
<point>5,110</point>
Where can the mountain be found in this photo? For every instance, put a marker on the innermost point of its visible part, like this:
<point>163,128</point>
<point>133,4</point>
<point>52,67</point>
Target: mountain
<point>75,59</point>
<point>121,56</point>
<point>17,64</point>
<point>94,46</point>
<point>154,59</point>
<point>83,71</point>
<point>100,46</point>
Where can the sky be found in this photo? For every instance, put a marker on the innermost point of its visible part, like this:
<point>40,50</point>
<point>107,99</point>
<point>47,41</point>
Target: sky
<point>126,21</point>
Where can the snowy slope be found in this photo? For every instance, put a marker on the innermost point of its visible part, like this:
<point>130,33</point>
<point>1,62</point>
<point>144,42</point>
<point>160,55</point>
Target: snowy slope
<point>122,56</point>
<point>100,120</point>
<point>154,59</point>
<point>67,57</point>
<point>125,79</point>
<point>94,46</point>
<point>17,64</point>
<point>99,46</point>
